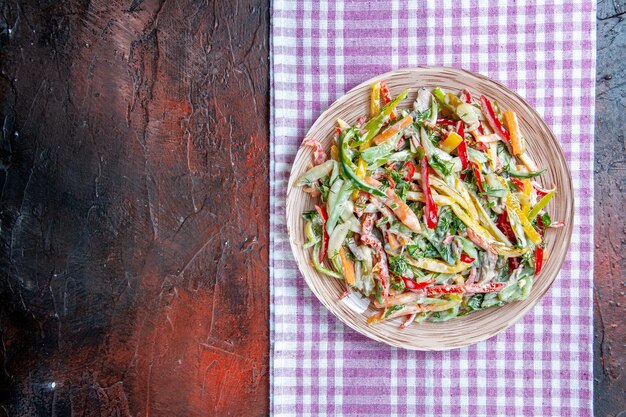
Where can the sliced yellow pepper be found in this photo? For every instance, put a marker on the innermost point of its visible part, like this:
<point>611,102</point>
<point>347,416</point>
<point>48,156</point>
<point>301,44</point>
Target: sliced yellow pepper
<point>525,200</point>
<point>437,266</point>
<point>469,222</point>
<point>452,299</point>
<point>361,169</point>
<point>499,247</point>
<point>512,204</point>
<point>451,142</point>
<point>375,99</point>
<point>444,188</point>
<point>342,124</point>
<point>334,153</point>
<point>493,156</point>
<point>417,196</point>
<point>483,217</point>
<point>509,252</point>
<point>462,190</point>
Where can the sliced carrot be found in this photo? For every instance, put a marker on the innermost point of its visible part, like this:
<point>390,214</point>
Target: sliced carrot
<point>516,138</point>
<point>393,130</point>
<point>375,318</point>
<point>393,241</point>
<point>399,207</point>
<point>348,267</point>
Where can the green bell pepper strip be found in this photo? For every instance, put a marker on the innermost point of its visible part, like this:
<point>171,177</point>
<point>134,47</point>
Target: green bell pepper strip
<point>325,237</point>
<point>374,125</point>
<point>540,205</point>
<point>441,97</point>
<point>343,149</point>
<point>381,151</point>
<point>468,247</point>
<point>342,196</point>
<point>349,173</point>
<point>316,173</point>
<point>310,235</point>
<point>434,111</point>
<point>517,174</point>
<point>439,94</point>
<point>321,268</point>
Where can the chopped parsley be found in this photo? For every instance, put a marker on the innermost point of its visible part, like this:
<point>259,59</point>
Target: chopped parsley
<point>398,266</point>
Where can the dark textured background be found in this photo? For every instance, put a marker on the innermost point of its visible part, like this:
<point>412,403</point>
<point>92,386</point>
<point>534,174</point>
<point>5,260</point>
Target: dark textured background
<point>134,208</point>
<point>610,222</point>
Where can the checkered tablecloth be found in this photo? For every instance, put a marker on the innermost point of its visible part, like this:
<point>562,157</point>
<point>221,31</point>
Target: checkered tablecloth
<point>542,366</point>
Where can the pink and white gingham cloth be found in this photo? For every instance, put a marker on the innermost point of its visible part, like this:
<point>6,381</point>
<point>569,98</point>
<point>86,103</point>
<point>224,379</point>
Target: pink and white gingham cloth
<point>542,366</point>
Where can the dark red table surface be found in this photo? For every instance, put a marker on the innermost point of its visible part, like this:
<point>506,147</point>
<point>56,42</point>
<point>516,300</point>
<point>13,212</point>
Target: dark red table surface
<point>134,208</point>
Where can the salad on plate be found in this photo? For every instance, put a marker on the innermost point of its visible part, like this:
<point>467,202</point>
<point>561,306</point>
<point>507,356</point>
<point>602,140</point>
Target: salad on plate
<point>432,211</point>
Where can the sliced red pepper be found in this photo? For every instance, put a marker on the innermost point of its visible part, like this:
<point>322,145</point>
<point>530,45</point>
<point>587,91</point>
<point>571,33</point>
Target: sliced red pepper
<point>491,287</point>
<point>540,193</point>
<point>461,289</point>
<point>541,228</point>
<point>413,286</point>
<point>411,171</point>
<point>325,238</point>
<point>493,120</point>
<point>384,92</point>
<point>430,208</point>
<point>538,259</point>
<point>360,121</point>
<point>513,264</point>
<point>386,96</point>
<point>478,175</point>
<point>462,149</point>
<point>409,319</point>
<point>467,95</point>
<point>505,227</point>
<point>518,183</point>
<point>481,146</point>
<point>540,224</point>
<point>466,258</point>
<point>446,122</point>
<point>392,183</point>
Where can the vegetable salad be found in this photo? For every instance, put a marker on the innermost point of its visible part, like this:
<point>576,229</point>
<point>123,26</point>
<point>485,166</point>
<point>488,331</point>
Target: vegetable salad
<point>431,211</point>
